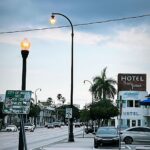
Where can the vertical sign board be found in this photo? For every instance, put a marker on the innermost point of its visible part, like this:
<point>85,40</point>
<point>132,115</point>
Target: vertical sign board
<point>68,112</point>
<point>17,102</point>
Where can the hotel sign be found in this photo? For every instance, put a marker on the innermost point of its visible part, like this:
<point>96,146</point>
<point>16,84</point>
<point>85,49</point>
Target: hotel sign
<point>131,82</point>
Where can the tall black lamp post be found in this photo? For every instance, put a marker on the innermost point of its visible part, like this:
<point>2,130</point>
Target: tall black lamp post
<point>25,45</point>
<point>52,21</point>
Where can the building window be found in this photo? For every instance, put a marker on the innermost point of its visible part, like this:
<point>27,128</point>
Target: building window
<point>137,103</point>
<point>139,122</point>
<point>128,122</point>
<point>133,123</point>
<point>130,103</point>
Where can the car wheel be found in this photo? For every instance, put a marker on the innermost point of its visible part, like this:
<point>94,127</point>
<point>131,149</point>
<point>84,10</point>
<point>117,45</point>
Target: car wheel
<point>95,145</point>
<point>128,140</point>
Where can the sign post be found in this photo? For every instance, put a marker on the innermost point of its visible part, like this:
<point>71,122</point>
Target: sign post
<point>18,102</point>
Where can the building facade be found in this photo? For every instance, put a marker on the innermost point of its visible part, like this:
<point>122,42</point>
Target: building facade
<point>132,90</point>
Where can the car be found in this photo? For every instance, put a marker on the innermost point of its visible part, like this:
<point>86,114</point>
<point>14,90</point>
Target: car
<point>106,135</point>
<point>90,129</point>
<point>135,134</point>
<point>12,128</point>
<point>50,125</point>
<point>57,124</point>
<point>29,127</point>
<point>77,124</point>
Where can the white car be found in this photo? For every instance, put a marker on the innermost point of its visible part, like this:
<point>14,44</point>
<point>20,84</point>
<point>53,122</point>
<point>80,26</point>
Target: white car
<point>29,127</point>
<point>12,128</point>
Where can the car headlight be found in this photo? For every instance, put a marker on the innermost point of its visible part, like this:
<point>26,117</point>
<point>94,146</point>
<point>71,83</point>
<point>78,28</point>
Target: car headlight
<point>116,138</point>
<point>97,138</point>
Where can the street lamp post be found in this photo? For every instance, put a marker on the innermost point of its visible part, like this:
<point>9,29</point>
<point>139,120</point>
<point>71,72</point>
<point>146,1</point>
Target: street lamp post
<point>25,45</point>
<point>92,99</point>
<point>35,119</point>
<point>39,89</point>
<point>71,136</point>
<point>91,86</point>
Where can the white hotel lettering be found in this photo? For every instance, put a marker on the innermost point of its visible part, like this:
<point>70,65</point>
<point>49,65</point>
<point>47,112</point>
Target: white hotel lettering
<point>131,78</point>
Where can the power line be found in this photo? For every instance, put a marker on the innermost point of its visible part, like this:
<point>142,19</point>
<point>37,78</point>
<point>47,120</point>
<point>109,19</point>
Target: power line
<point>76,25</point>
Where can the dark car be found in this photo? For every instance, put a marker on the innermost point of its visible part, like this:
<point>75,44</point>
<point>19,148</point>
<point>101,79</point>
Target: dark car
<point>135,134</point>
<point>106,135</point>
<point>90,129</point>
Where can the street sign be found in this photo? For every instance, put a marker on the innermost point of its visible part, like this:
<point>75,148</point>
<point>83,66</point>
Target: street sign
<point>17,102</point>
<point>68,112</point>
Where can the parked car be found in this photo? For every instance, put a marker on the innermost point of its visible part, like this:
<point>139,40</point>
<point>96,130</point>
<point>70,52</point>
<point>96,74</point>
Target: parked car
<point>135,134</point>
<point>29,127</point>
<point>57,124</point>
<point>50,125</point>
<point>90,129</point>
<point>106,135</point>
<point>12,128</point>
<point>77,124</point>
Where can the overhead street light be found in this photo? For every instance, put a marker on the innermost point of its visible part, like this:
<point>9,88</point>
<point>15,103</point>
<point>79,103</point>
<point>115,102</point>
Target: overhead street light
<point>52,21</point>
<point>25,45</point>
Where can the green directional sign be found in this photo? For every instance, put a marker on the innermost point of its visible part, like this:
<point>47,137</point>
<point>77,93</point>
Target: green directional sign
<point>17,102</point>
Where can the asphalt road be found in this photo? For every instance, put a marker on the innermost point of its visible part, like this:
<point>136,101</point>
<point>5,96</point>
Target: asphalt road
<point>48,139</point>
<point>39,138</point>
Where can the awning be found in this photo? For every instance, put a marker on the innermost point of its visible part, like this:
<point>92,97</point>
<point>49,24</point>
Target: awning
<point>145,102</point>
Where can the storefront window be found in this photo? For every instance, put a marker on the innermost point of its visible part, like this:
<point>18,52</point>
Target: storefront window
<point>139,122</point>
<point>128,122</point>
<point>130,103</point>
<point>133,123</point>
<point>137,103</point>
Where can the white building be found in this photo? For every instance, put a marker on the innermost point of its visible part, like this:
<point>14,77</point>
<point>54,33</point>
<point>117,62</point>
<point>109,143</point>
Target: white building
<point>133,114</point>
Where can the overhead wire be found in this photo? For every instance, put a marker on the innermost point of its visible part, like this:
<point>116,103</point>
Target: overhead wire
<point>76,25</point>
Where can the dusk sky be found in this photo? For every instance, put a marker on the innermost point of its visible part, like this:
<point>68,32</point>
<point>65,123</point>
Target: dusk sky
<point>121,46</point>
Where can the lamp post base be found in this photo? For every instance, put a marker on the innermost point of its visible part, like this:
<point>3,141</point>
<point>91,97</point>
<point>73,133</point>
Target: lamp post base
<point>71,137</point>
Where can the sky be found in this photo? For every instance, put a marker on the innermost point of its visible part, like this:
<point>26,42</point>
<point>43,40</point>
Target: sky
<point>121,46</point>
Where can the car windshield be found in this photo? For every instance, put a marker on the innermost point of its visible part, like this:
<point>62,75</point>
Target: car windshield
<point>10,126</point>
<point>107,131</point>
<point>28,124</point>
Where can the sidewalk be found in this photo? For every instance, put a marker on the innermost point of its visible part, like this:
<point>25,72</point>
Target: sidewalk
<point>80,143</point>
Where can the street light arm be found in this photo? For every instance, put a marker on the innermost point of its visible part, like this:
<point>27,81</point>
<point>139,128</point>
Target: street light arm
<point>53,14</point>
<point>36,94</point>
<point>89,82</point>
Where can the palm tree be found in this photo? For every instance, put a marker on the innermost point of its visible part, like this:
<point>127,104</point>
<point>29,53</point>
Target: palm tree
<point>49,101</point>
<point>61,98</point>
<point>103,87</point>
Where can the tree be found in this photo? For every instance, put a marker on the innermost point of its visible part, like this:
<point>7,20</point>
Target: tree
<point>85,115</point>
<point>62,112</point>
<point>49,101</point>
<point>103,87</point>
<point>61,98</point>
<point>2,115</point>
<point>103,110</point>
<point>34,111</point>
